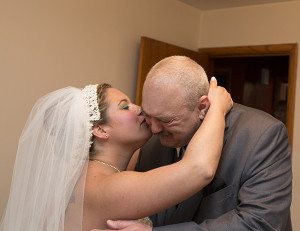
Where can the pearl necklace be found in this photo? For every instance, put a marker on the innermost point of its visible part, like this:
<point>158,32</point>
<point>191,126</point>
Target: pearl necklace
<point>109,165</point>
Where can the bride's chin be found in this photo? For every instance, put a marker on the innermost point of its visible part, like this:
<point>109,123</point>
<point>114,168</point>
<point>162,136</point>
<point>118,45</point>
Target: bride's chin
<point>144,139</point>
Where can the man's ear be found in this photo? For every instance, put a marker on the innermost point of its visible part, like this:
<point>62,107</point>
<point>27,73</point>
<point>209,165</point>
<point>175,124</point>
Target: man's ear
<point>203,106</point>
<point>100,132</point>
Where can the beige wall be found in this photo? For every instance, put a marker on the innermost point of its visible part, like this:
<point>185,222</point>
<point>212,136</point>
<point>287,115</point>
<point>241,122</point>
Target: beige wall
<point>260,25</point>
<point>46,45</point>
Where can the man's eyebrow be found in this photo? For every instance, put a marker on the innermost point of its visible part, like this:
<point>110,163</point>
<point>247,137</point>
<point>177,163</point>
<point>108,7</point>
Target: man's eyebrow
<point>157,117</point>
<point>146,114</point>
<point>143,111</point>
<point>162,118</point>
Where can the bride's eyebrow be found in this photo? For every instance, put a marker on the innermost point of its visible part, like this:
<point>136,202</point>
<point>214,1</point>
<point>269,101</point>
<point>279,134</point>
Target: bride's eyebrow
<point>123,100</point>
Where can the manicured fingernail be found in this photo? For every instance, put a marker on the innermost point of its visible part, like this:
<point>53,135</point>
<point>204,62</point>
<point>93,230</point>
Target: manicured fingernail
<point>213,78</point>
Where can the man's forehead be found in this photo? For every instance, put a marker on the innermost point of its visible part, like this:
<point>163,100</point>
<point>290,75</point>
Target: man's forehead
<point>152,104</point>
<point>162,101</point>
<point>151,111</point>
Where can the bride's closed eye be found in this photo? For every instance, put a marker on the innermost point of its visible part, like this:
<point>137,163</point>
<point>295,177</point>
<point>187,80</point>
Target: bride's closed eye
<point>125,107</point>
<point>124,104</point>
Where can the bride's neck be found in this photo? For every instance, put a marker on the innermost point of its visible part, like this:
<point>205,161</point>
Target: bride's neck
<point>115,156</point>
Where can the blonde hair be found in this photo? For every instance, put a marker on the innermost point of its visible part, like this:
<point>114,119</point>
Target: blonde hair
<point>102,105</point>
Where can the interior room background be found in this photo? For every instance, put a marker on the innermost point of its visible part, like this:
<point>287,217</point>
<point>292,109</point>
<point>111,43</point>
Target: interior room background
<point>46,45</point>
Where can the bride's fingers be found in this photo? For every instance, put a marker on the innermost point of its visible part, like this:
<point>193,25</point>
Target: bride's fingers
<point>119,224</point>
<point>213,82</point>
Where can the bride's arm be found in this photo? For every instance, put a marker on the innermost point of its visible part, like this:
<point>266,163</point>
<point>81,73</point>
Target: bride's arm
<point>132,195</point>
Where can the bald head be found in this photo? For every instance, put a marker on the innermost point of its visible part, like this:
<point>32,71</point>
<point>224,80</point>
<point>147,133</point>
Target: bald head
<point>182,72</point>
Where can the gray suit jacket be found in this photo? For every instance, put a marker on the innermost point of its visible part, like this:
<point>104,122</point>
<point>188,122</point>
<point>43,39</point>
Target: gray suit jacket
<point>253,184</point>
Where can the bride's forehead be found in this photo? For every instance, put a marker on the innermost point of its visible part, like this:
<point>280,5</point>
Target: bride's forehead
<point>111,92</point>
<point>114,95</point>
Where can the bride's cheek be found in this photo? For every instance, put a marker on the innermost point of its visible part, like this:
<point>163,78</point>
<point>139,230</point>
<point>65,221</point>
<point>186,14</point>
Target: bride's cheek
<point>129,120</point>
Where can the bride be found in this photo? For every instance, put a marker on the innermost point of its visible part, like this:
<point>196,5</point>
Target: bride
<point>72,155</point>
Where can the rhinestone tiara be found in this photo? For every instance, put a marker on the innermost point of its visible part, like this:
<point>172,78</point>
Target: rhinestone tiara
<point>90,97</point>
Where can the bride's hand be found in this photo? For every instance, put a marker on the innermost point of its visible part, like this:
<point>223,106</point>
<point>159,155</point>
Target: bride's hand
<point>125,226</point>
<point>219,97</point>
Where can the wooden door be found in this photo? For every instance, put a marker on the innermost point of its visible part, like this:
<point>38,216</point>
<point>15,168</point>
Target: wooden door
<point>152,51</point>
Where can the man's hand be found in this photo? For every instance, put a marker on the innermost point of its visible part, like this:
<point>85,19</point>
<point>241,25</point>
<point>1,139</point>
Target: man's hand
<point>125,226</point>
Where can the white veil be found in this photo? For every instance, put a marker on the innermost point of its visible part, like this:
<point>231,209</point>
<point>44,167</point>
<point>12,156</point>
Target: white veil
<point>51,162</point>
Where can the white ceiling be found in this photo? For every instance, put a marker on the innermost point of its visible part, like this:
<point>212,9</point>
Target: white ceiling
<point>220,4</point>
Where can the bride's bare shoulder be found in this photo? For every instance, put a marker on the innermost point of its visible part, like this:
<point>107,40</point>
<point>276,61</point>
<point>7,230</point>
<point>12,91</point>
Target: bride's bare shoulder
<point>95,179</point>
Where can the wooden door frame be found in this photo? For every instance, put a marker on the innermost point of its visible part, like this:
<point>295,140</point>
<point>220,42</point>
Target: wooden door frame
<point>267,50</point>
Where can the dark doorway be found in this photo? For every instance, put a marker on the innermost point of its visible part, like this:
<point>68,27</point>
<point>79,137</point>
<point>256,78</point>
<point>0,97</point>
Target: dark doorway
<point>273,50</point>
<point>260,82</point>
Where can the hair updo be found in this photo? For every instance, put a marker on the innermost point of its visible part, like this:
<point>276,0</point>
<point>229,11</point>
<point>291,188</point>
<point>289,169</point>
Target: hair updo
<point>102,105</point>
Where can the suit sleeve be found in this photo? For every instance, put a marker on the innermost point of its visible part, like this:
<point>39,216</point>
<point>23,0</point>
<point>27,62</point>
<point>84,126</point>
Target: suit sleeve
<point>265,189</point>
<point>190,226</point>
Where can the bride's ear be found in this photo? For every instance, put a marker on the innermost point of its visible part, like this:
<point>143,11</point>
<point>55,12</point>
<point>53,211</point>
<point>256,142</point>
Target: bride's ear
<point>100,132</point>
<point>203,106</point>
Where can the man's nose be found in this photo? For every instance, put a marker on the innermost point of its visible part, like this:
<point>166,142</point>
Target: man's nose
<point>155,126</point>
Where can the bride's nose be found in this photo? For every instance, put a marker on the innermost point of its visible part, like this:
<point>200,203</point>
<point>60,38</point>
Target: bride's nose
<point>139,110</point>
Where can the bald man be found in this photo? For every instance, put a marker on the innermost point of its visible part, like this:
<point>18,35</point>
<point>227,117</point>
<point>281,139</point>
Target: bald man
<point>252,188</point>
